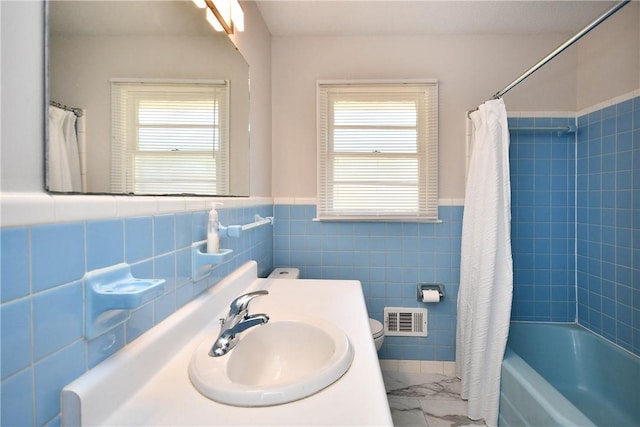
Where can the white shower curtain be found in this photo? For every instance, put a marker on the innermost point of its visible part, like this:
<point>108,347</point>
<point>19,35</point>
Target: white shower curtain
<point>64,157</point>
<point>486,268</point>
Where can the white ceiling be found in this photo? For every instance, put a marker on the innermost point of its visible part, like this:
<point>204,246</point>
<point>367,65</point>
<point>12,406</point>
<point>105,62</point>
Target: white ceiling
<point>415,17</point>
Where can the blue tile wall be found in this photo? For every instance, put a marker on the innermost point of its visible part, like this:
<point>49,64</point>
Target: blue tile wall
<point>388,259</point>
<point>105,243</point>
<point>608,223</point>
<point>14,248</point>
<point>41,311</point>
<point>57,255</point>
<point>542,167</point>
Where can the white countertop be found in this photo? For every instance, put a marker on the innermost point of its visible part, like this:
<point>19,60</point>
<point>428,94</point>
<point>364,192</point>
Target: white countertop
<point>165,396</point>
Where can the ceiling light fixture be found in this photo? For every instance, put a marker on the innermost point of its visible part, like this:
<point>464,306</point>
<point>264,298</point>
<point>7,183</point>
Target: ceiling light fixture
<point>228,13</point>
<point>213,21</point>
<point>237,15</point>
<point>222,9</point>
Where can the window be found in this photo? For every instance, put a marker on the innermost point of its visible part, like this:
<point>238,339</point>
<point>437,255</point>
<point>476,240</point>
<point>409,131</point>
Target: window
<point>377,151</point>
<point>170,138</point>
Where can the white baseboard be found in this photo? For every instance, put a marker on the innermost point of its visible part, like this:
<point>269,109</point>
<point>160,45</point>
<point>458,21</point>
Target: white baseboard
<point>420,366</point>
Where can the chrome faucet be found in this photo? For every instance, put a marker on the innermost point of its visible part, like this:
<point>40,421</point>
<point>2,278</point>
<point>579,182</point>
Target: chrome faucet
<point>238,320</point>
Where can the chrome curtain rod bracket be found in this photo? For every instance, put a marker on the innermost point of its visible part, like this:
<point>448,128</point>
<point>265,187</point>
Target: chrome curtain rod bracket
<point>559,129</point>
<point>562,47</point>
<point>77,111</point>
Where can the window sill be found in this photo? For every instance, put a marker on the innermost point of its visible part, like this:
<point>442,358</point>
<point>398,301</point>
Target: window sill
<point>377,218</point>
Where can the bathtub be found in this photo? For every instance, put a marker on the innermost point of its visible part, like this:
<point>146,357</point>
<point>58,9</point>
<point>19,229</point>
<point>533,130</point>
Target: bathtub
<point>564,375</point>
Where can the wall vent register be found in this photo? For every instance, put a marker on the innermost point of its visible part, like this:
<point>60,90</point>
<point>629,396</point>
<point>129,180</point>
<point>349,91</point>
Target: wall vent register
<point>407,322</point>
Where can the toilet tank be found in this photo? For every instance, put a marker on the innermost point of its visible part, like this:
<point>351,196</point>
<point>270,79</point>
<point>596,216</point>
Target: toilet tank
<point>285,273</point>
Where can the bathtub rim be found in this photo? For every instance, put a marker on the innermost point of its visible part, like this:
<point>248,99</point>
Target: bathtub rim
<point>582,328</point>
<point>543,392</point>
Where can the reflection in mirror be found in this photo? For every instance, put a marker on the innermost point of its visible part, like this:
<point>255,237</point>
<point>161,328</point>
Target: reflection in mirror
<point>145,98</point>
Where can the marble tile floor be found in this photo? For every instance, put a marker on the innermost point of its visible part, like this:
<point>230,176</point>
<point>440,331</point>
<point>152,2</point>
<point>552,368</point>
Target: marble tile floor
<point>426,400</point>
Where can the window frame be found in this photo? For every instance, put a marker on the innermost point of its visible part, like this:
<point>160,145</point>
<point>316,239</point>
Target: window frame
<point>426,154</point>
<point>125,127</point>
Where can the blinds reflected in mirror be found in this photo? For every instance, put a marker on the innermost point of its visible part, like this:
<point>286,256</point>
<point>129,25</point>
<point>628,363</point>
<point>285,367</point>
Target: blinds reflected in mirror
<point>170,138</point>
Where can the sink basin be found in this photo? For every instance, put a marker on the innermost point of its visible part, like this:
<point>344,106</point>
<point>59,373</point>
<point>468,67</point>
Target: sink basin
<point>279,362</point>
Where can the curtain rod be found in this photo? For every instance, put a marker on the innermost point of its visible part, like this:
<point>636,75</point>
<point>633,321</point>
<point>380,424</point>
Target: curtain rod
<point>77,111</point>
<point>562,47</point>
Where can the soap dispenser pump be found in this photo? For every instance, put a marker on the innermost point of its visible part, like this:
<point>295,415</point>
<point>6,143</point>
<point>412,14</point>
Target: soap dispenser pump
<point>213,240</point>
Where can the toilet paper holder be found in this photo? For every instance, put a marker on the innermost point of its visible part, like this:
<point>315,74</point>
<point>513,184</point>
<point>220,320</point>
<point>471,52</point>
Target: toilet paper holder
<point>439,287</point>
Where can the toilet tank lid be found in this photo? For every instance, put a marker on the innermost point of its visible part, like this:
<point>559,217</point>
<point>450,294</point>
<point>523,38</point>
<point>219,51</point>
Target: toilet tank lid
<point>285,273</point>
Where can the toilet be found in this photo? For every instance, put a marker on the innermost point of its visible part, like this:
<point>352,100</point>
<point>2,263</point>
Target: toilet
<point>377,331</point>
<point>293,273</point>
<point>285,273</point>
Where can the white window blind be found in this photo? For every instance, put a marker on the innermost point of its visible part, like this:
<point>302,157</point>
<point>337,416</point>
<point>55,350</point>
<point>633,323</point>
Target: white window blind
<point>170,138</point>
<point>378,151</point>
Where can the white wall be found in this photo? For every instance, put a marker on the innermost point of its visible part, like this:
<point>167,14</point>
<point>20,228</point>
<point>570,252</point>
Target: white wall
<point>470,70</point>
<point>22,128</point>
<point>609,58</point>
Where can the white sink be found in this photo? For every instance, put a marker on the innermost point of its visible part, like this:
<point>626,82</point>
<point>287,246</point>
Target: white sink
<point>279,362</point>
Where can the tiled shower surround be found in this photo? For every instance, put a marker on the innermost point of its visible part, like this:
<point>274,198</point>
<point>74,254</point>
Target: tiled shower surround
<point>542,165</point>
<point>576,222</point>
<point>608,222</point>
<point>43,347</point>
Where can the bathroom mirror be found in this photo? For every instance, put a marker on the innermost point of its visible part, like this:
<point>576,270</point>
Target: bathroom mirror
<point>186,120</point>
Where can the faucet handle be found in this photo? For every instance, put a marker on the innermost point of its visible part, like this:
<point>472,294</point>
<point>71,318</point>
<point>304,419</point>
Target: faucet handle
<point>241,303</point>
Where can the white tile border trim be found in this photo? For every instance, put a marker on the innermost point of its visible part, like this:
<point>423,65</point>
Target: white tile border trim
<point>312,201</point>
<point>609,102</point>
<point>26,208</point>
<point>571,114</point>
<point>419,366</point>
<point>294,200</point>
<point>22,209</point>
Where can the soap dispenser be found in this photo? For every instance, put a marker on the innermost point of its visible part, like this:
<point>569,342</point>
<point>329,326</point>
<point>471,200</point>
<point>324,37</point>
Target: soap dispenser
<point>213,240</point>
